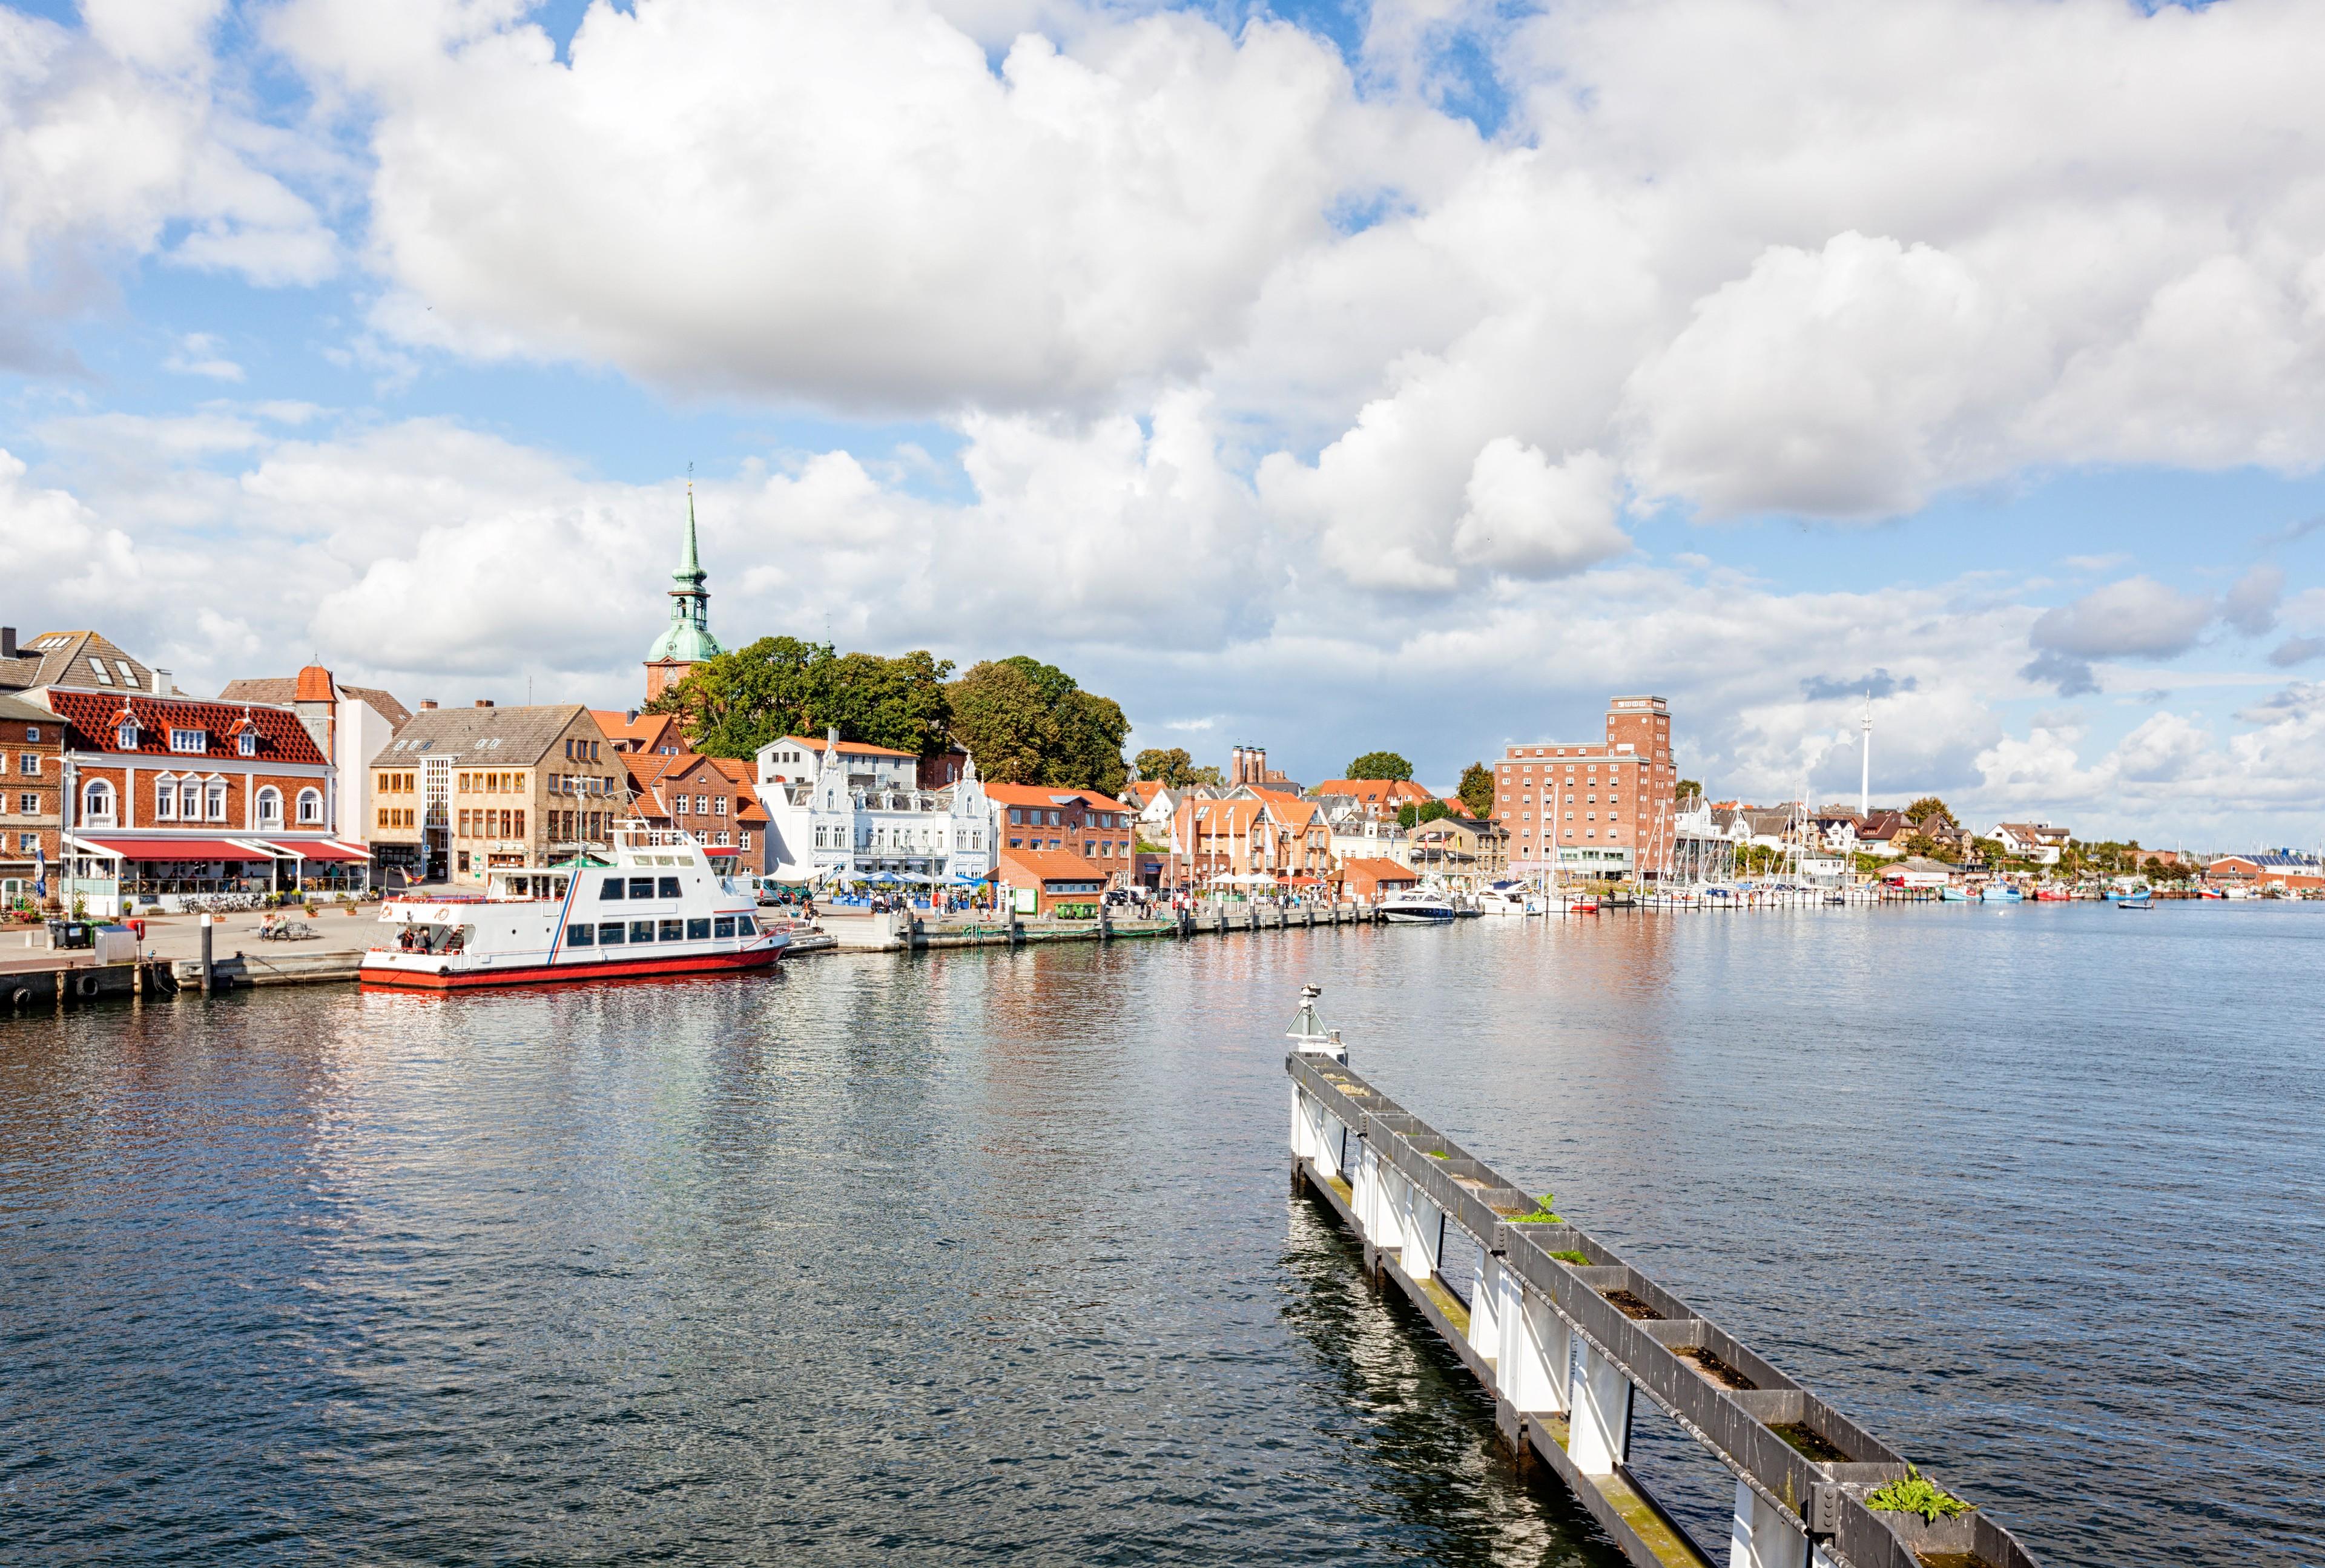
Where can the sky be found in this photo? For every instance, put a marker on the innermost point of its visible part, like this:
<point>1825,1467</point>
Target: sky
<point>1413,375</point>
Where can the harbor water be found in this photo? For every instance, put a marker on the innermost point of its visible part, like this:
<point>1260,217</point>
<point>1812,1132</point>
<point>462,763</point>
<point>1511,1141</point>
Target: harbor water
<point>990,1257</point>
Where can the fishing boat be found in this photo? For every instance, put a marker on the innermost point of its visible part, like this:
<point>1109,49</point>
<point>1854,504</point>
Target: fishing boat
<point>2136,898</point>
<point>661,908</point>
<point>1953,896</point>
<point>2053,895</point>
<point>2000,892</point>
<point>1417,906</point>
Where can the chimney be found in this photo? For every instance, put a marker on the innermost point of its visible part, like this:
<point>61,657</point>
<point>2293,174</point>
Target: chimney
<point>164,686</point>
<point>7,641</point>
<point>427,704</point>
<point>483,702</point>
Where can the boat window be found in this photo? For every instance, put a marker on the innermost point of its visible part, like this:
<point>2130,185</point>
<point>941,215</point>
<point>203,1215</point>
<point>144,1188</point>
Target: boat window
<point>580,936</point>
<point>611,932</point>
<point>670,887</point>
<point>723,926</point>
<point>641,886</point>
<point>610,888</point>
<point>642,930</point>
<point>745,926</point>
<point>557,888</point>
<point>673,930</point>
<point>697,930</point>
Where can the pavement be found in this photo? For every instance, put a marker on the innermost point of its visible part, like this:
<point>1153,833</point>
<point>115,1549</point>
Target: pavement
<point>177,936</point>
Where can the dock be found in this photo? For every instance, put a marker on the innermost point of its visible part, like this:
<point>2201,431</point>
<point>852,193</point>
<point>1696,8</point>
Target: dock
<point>1568,1338</point>
<point>917,933</point>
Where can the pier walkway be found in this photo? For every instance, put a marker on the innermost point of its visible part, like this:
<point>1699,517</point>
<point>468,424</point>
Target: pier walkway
<point>1568,1338</point>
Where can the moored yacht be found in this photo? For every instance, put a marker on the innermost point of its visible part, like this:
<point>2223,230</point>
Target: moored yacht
<point>1417,906</point>
<point>661,908</point>
<point>1511,899</point>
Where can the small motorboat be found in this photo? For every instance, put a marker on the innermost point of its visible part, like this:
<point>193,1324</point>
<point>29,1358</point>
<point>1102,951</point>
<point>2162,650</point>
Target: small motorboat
<point>2052,895</point>
<point>1417,906</point>
<point>2000,892</point>
<point>1952,896</point>
<point>1511,899</point>
<point>2137,898</point>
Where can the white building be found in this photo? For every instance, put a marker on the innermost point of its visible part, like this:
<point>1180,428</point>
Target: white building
<point>836,806</point>
<point>1360,834</point>
<point>2037,842</point>
<point>350,725</point>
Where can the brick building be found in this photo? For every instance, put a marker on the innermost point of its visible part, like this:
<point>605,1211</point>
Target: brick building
<point>1601,809</point>
<point>167,797</point>
<point>1378,798</point>
<point>349,724</point>
<point>710,797</point>
<point>460,791</point>
<point>32,773</point>
<point>1082,822</point>
<point>1042,879</point>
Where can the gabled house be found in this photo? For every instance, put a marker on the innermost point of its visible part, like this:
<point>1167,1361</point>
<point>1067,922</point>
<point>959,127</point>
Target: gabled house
<point>710,797</point>
<point>2039,842</point>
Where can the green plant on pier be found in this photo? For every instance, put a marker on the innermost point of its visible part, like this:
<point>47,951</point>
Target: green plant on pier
<point>1579,1260</point>
<point>1914,1494</point>
<point>1543,1214</point>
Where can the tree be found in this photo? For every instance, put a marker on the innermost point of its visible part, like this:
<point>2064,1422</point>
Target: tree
<point>1690,786</point>
<point>735,703</point>
<point>1477,789</point>
<point>1409,815</point>
<point>1380,765</point>
<point>1928,806</point>
<point>1027,722</point>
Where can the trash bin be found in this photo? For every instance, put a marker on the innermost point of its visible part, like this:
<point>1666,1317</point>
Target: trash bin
<point>71,933</point>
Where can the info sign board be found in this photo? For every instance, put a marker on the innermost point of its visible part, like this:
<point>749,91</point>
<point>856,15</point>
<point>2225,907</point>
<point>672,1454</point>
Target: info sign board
<point>1025,900</point>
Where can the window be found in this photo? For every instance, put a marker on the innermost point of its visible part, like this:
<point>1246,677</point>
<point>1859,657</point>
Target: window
<point>611,888</point>
<point>247,743</point>
<point>103,678</point>
<point>745,926</point>
<point>270,807</point>
<point>190,802</point>
<point>28,842</point>
<point>1017,818</point>
<point>125,738</point>
<point>31,733</point>
<point>719,809</point>
<point>165,800</point>
<point>670,887</point>
<point>193,740</point>
<point>28,763</point>
<point>580,935</point>
<point>311,808</point>
<point>28,805</point>
<point>217,802</point>
<point>97,803</point>
<point>699,930</point>
<point>642,887</point>
<point>642,930</point>
<point>611,932</point>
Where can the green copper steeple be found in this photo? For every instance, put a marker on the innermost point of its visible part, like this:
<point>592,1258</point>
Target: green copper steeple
<point>687,639</point>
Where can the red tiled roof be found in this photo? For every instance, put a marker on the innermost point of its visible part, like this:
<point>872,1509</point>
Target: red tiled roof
<point>94,716</point>
<point>849,747</point>
<point>1052,866</point>
<point>1379,870</point>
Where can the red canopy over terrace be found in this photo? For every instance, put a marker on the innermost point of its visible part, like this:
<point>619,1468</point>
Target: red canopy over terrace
<point>176,849</point>
<point>319,850</point>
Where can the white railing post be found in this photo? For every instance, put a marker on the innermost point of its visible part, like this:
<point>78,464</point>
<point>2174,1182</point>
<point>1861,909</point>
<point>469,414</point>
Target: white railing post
<point>1420,1243</point>
<point>1762,1535</point>
<point>1600,1397</point>
<point>1532,1366</point>
<point>1485,1318</point>
<point>1367,1191</point>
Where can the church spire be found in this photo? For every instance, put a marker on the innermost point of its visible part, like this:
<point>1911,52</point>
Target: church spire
<point>687,641</point>
<point>689,563</point>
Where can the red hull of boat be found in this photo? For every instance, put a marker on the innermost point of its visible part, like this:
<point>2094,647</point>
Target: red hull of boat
<point>572,974</point>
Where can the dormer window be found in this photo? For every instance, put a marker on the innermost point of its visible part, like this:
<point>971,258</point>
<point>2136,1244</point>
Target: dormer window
<point>196,741</point>
<point>247,743</point>
<point>125,738</point>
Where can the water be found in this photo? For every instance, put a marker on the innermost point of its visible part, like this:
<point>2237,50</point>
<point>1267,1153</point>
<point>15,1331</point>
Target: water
<point>990,1256</point>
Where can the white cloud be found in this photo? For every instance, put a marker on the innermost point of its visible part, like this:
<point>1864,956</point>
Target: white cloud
<point>2138,616</point>
<point>197,353</point>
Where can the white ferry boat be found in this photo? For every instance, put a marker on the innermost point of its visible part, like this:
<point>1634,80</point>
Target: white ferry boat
<point>661,908</point>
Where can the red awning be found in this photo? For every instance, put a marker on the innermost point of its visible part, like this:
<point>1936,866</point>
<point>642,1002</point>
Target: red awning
<point>720,850</point>
<point>176,849</point>
<point>316,850</point>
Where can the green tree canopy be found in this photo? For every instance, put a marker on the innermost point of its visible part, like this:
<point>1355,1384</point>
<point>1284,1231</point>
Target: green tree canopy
<point>1380,765</point>
<point>1175,768</point>
<point>735,703</point>
<point>1409,815</point>
<point>1477,789</point>
<point>1027,722</point>
<point>1922,809</point>
<point>1690,786</point>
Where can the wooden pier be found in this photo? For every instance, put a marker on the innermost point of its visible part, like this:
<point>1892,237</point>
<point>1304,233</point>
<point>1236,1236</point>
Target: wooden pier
<point>1567,1337</point>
